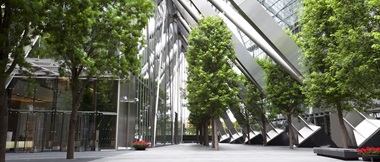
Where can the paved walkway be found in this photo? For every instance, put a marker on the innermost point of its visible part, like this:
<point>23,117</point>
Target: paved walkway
<point>183,153</point>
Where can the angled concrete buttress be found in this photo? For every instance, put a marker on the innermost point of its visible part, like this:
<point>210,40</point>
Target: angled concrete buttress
<point>236,137</point>
<point>309,135</point>
<point>362,130</point>
<point>255,137</point>
<point>276,136</point>
<point>224,136</point>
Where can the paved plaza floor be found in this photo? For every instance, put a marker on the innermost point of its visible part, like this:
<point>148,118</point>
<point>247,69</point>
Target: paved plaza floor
<point>189,152</point>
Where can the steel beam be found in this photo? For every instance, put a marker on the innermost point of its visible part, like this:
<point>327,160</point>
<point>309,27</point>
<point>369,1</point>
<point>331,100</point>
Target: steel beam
<point>270,31</point>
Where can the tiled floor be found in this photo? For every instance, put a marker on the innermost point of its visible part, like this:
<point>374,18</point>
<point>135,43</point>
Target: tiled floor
<point>183,153</point>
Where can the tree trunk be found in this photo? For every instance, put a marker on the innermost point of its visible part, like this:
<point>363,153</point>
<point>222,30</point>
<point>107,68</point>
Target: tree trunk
<point>197,134</point>
<point>248,133</point>
<point>206,141</point>
<point>201,134</point>
<point>341,124</point>
<point>3,117</point>
<point>290,130</point>
<point>264,130</point>
<point>76,95</point>
<point>215,134</point>
<point>212,133</point>
<point>247,126</point>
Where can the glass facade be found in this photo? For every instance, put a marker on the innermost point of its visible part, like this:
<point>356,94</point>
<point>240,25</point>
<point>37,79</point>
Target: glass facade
<point>40,112</point>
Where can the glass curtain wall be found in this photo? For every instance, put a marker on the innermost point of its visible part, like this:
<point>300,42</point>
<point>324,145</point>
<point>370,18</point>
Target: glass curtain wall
<point>40,111</point>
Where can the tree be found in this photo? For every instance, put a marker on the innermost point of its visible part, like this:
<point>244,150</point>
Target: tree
<point>94,38</point>
<point>20,23</point>
<point>371,67</point>
<point>255,104</point>
<point>283,93</point>
<point>336,43</point>
<point>211,85</point>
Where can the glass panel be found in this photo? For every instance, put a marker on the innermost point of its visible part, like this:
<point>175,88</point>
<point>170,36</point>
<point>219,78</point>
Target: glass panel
<point>31,96</point>
<point>39,131</point>
<point>64,100</point>
<point>43,96</point>
<point>64,95</point>
<point>87,98</point>
<point>107,95</point>
<point>58,125</point>
<point>12,130</point>
<point>107,131</point>
<point>92,130</point>
<point>65,131</point>
<point>21,133</point>
<point>22,95</point>
<point>84,132</point>
<point>29,133</point>
<point>48,134</point>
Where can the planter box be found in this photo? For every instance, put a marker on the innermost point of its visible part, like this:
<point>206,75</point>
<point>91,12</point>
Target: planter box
<point>371,158</point>
<point>340,153</point>
<point>140,148</point>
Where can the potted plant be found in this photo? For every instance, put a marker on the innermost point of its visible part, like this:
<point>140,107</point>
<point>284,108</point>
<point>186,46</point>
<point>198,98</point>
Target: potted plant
<point>369,153</point>
<point>140,145</point>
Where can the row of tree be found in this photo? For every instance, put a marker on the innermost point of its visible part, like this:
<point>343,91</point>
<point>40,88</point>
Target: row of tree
<point>340,43</point>
<point>212,85</point>
<point>89,38</point>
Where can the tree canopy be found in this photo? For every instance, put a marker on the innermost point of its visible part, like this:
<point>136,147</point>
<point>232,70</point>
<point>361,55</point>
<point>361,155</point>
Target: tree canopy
<point>211,82</point>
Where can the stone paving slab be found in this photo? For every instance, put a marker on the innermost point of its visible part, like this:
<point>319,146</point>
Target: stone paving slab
<point>183,153</point>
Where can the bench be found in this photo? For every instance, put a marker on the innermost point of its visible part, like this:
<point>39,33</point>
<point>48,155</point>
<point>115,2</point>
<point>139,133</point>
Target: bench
<point>340,153</point>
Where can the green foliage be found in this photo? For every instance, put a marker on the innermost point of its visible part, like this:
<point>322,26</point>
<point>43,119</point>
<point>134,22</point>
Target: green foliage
<point>372,65</point>
<point>95,38</point>
<point>282,91</point>
<point>211,87</point>
<point>336,42</point>
<point>20,22</point>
